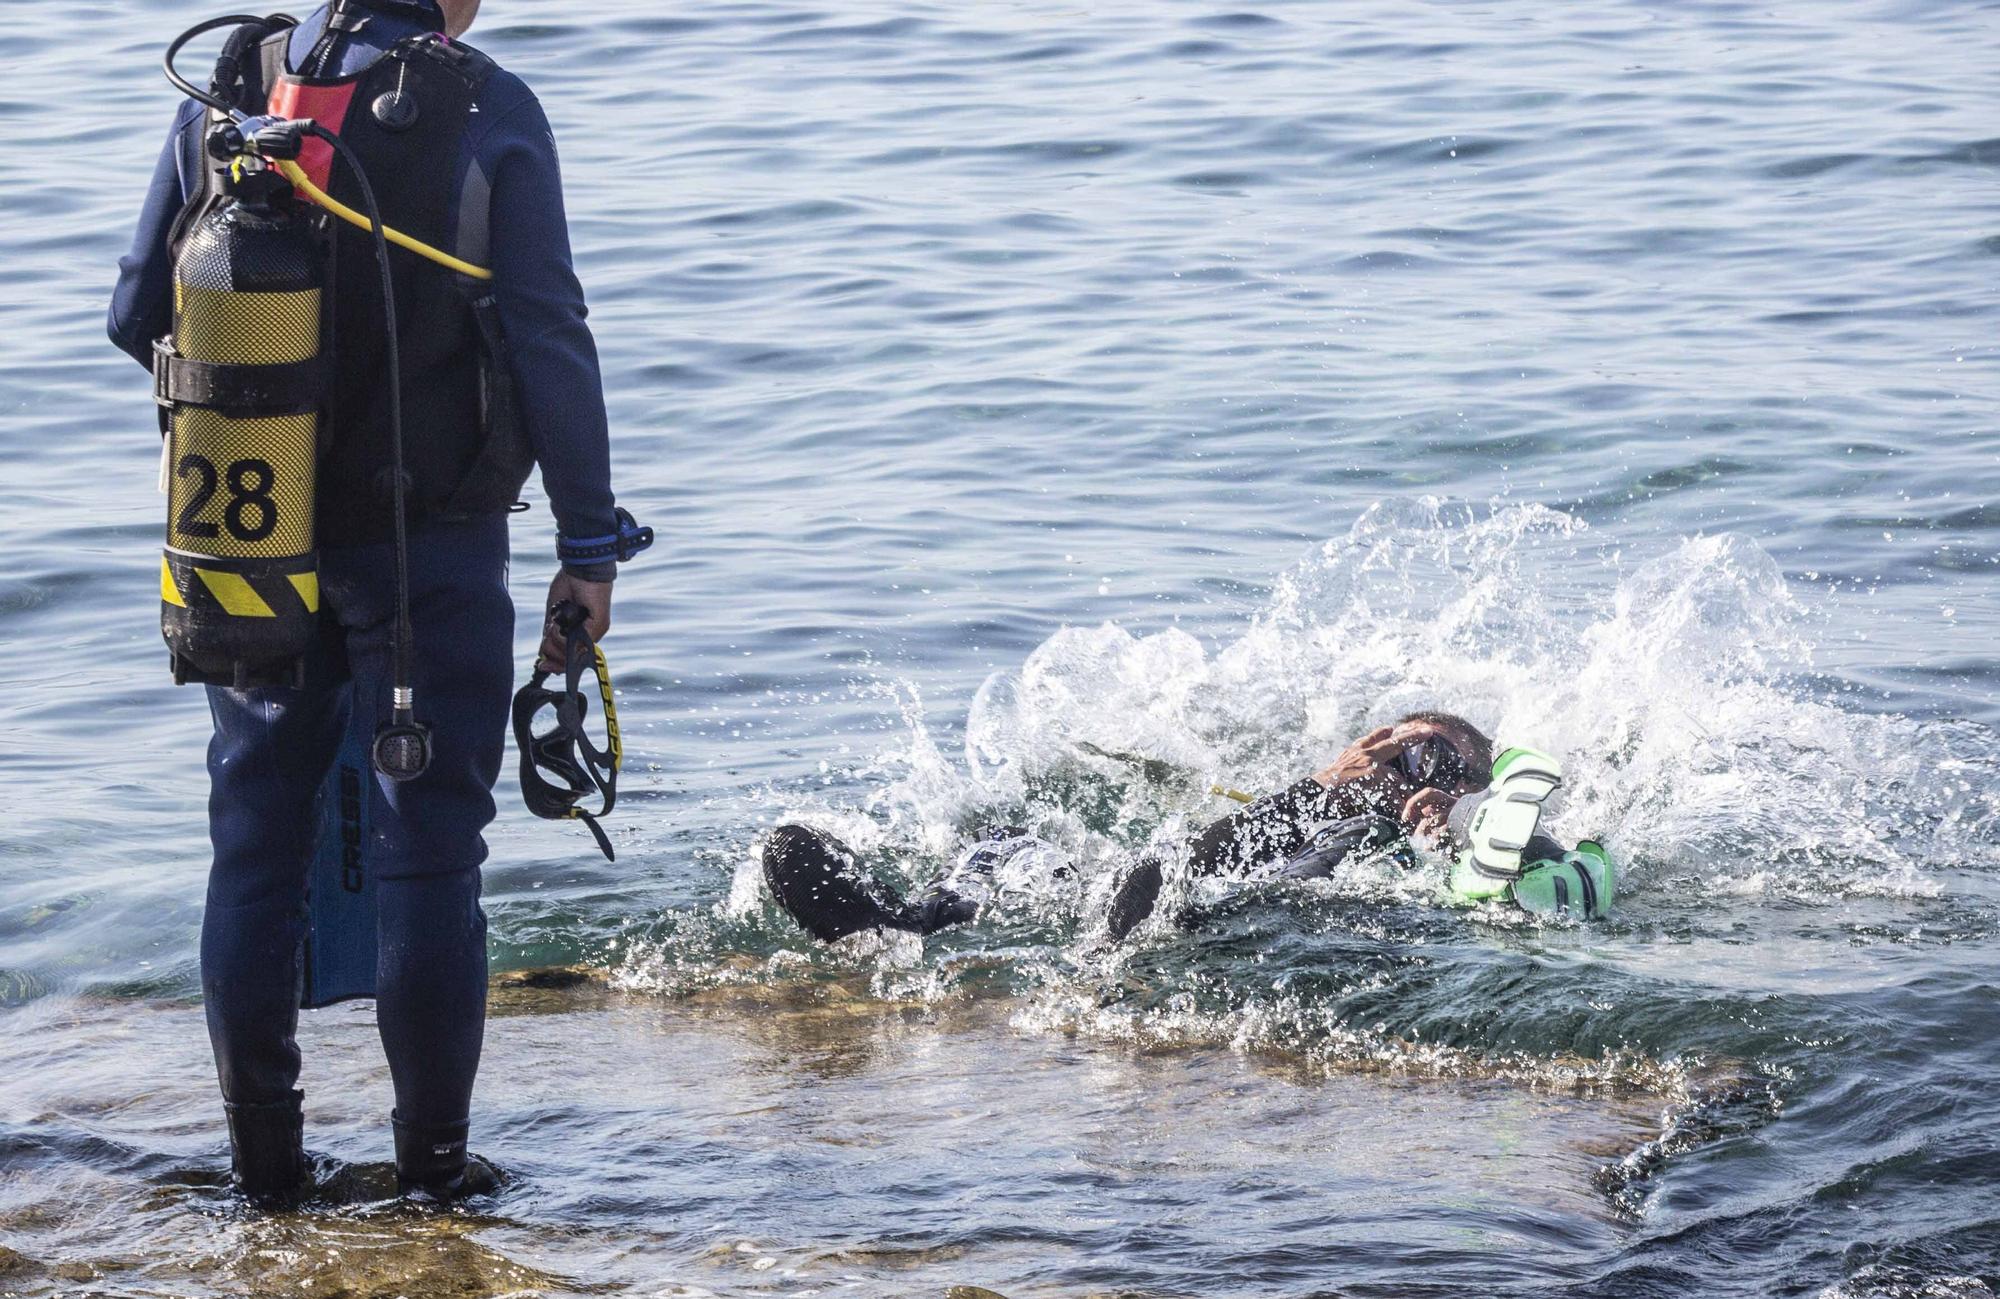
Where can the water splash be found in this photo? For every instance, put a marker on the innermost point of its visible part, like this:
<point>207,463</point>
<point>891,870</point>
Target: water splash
<point>1678,684</point>
<point>1672,685</point>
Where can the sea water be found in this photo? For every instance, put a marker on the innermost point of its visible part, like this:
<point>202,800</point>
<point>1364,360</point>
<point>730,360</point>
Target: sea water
<point>1010,382</point>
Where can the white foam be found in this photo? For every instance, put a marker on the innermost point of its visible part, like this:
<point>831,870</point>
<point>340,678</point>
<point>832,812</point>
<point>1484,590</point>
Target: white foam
<point>1676,684</point>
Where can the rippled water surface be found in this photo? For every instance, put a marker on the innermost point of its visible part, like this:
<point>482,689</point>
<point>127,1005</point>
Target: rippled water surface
<point>1196,381</point>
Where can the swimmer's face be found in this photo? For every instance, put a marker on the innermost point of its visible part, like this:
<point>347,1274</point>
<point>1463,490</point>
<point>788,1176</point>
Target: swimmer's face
<point>1451,765</point>
<point>1412,757</point>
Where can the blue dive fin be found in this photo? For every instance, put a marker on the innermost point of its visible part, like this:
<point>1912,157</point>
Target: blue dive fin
<point>340,891</point>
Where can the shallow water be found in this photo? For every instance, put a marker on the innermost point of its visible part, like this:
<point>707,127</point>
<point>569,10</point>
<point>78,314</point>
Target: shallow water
<point>1036,1161</point>
<point>1198,382</point>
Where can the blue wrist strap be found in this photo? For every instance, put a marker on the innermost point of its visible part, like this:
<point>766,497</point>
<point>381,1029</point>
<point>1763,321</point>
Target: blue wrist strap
<point>621,545</point>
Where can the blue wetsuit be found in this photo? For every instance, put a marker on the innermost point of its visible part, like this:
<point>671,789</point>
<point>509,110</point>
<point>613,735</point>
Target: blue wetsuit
<point>273,747</point>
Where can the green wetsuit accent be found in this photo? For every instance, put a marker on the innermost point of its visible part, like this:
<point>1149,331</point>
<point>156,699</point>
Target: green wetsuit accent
<point>1581,883</point>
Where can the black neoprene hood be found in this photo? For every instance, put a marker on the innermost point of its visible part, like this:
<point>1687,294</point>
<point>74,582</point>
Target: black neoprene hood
<point>426,11</point>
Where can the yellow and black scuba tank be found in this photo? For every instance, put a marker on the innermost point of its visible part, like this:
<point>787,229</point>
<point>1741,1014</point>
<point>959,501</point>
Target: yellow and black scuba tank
<point>243,385</point>
<point>241,381</point>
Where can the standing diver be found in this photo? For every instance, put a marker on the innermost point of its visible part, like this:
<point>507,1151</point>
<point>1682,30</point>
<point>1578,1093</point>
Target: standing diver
<point>1419,776</point>
<point>406,614</point>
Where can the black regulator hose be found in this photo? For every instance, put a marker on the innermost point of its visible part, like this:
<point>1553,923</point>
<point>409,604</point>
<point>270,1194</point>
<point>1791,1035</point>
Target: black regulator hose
<point>187,87</point>
<point>402,748</point>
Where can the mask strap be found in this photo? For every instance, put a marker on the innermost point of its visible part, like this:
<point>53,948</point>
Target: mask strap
<point>601,766</point>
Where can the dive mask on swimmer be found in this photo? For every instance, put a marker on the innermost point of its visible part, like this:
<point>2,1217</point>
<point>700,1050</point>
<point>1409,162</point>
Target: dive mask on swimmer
<point>566,750</point>
<point>1433,764</point>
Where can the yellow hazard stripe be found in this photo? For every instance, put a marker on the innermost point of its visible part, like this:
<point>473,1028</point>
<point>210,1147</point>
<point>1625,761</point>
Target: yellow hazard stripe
<point>236,596</point>
<point>168,591</point>
<point>307,585</point>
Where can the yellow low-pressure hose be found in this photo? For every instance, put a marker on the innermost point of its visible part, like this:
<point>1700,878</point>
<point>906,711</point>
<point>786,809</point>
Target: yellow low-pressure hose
<point>1225,792</point>
<point>303,183</point>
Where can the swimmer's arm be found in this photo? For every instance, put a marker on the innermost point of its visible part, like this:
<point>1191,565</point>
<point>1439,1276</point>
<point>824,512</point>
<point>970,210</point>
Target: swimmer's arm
<point>1272,828</point>
<point>1458,825</point>
<point>142,303</point>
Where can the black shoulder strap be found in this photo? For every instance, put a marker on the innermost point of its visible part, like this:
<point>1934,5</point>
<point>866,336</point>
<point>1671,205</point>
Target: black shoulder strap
<point>272,56</point>
<point>472,68</point>
<point>470,65</point>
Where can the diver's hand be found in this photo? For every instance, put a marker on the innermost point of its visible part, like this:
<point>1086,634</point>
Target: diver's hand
<point>1368,758</point>
<point>1427,811</point>
<point>1365,778</point>
<point>594,598</point>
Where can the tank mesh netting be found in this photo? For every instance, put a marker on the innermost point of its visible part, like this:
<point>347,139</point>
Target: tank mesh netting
<point>256,476</point>
<point>245,292</point>
<point>232,249</point>
<point>246,328</point>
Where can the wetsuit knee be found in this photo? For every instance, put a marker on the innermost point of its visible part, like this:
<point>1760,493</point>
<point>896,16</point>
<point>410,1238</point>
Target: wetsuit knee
<point>940,908</point>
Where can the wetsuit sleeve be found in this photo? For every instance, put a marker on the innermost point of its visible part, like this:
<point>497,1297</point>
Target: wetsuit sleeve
<point>142,303</point>
<point>1458,824</point>
<point>556,375</point>
<point>1459,820</point>
<point>1273,827</point>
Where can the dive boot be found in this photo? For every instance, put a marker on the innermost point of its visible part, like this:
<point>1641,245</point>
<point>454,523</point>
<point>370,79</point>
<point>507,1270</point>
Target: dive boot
<point>940,908</point>
<point>431,1162</point>
<point>1134,898</point>
<point>267,1150</point>
<point>821,884</point>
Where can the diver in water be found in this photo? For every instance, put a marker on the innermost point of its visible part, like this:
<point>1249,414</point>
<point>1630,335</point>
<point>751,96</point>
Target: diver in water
<point>1427,777</point>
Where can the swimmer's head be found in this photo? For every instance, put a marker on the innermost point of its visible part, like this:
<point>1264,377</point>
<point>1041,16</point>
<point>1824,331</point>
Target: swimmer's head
<point>1442,751</point>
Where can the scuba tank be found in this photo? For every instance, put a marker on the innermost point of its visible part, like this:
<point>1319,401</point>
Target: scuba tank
<point>240,381</point>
